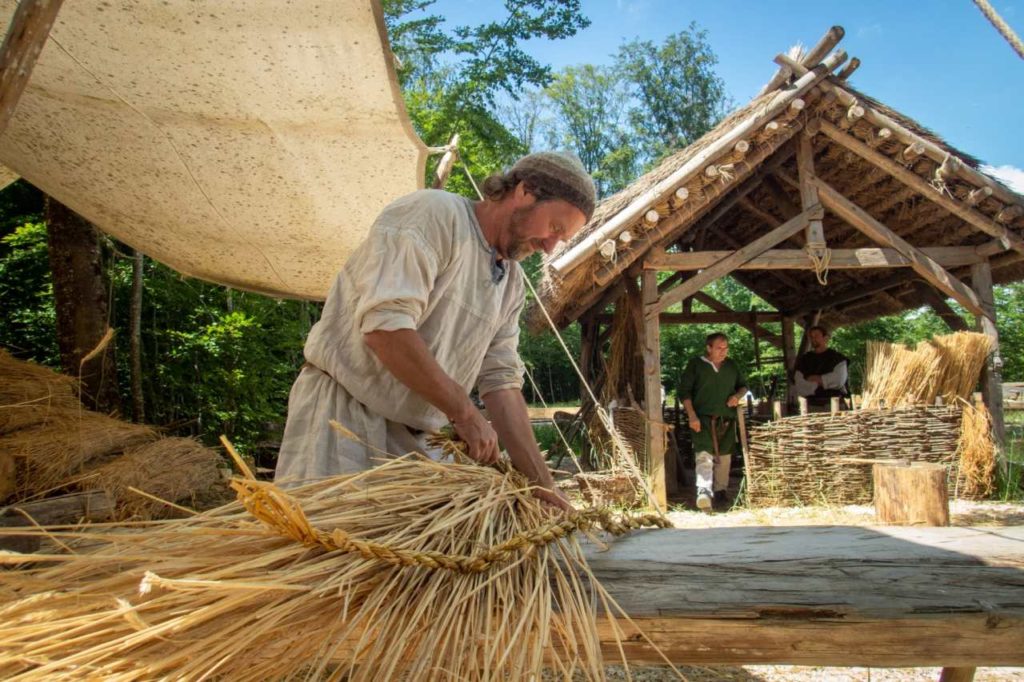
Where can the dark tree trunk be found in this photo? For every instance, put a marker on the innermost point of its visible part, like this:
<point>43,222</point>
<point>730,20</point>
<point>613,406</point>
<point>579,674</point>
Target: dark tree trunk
<point>135,339</point>
<point>80,295</point>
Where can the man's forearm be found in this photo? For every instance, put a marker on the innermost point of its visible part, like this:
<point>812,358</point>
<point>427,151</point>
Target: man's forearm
<point>506,409</point>
<point>688,405</point>
<point>404,353</point>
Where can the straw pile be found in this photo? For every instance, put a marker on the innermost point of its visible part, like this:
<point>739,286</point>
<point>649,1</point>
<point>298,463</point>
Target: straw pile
<point>171,469</point>
<point>943,366</point>
<point>976,453</point>
<point>444,571</point>
<point>825,458</point>
<point>27,382</point>
<point>50,453</point>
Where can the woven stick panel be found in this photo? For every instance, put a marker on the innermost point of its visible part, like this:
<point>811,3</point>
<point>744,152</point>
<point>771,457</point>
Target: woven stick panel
<point>805,460</point>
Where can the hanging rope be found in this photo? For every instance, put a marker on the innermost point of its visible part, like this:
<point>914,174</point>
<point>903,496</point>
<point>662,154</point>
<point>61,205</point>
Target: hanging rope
<point>821,258</point>
<point>1001,26</point>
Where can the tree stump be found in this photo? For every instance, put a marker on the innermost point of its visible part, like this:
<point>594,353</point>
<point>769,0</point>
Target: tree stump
<point>911,494</point>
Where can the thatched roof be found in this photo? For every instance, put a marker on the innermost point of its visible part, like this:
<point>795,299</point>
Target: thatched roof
<point>702,210</point>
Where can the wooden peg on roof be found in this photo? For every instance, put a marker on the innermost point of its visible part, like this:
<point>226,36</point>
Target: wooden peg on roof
<point>854,113</point>
<point>651,218</point>
<point>682,194</point>
<point>1009,213</point>
<point>772,127</point>
<point>794,109</point>
<point>912,151</point>
<point>740,149</point>
<point>947,169</point>
<point>976,196</point>
<point>879,137</point>
<point>848,69</point>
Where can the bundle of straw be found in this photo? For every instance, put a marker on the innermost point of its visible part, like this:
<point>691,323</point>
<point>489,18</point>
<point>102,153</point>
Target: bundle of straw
<point>443,571</point>
<point>976,453</point>
<point>49,453</point>
<point>26,382</point>
<point>943,366</point>
<point>144,478</point>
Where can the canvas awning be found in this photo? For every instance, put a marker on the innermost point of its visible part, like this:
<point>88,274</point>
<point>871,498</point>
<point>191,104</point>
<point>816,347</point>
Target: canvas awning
<point>246,143</point>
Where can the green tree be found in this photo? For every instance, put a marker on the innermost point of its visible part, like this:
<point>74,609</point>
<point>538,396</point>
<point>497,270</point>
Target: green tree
<point>676,94</point>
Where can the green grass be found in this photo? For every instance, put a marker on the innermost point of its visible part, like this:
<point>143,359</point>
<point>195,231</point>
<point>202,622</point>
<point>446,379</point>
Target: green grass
<point>1010,480</point>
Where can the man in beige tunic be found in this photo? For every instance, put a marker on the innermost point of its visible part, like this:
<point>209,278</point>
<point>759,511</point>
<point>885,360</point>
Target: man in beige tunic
<point>424,310</point>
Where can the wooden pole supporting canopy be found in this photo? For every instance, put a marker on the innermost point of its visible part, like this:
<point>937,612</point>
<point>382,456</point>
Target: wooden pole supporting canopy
<point>26,36</point>
<point>656,433</point>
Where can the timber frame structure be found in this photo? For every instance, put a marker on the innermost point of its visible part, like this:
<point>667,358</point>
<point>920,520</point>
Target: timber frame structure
<point>810,176</point>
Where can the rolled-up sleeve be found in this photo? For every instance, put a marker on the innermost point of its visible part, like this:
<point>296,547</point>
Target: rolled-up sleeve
<point>502,367</point>
<point>394,284</point>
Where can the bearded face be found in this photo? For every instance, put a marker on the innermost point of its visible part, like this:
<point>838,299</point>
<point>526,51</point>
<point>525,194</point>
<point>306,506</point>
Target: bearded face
<point>520,244</point>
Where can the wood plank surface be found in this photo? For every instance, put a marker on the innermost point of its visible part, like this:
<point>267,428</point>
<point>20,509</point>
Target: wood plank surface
<point>828,595</point>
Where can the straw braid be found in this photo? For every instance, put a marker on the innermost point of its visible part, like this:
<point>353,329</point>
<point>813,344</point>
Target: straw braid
<point>282,513</point>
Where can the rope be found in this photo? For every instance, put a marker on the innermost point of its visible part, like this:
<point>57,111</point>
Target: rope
<point>283,514</point>
<point>821,258</point>
<point>1001,26</point>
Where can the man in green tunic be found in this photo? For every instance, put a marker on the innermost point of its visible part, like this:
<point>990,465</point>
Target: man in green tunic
<point>711,388</point>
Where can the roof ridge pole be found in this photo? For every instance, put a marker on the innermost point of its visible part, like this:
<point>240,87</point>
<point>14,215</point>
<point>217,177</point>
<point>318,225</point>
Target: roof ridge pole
<point>587,246</point>
<point>813,56</point>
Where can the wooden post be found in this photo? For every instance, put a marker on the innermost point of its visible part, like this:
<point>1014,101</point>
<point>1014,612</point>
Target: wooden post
<point>741,422</point>
<point>991,374</point>
<point>26,36</point>
<point>814,233</point>
<point>776,410</point>
<point>802,403</point>
<point>911,494</point>
<point>444,166</point>
<point>834,405</point>
<point>652,388</point>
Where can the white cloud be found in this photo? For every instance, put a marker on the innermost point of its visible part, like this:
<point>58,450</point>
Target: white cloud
<point>870,31</point>
<point>1011,176</point>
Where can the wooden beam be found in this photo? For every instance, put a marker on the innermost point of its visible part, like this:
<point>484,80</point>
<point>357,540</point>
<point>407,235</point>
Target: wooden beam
<point>444,166</point>
<point>921,263</point>
<point>788,345</point>
<point>740,317</point>
<point>991,374</point>
<point>656,433</point>
<point>831,301</point>
<point>814,233</point>
<point>960,209</point>
<point>719,307</point>
<point>26,36</point>
<point>797,259</point>
<point>938,304</point>
<point>730,263</point>
<point>811,59</point>
<point>892,596</point>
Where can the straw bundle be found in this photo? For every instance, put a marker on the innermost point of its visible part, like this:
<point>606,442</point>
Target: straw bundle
<point>943,366</point>
<point>443,571</point>
<point>976,453</point>
<point>28,385</point>
<point>51,452</point>
<point>172,469</point>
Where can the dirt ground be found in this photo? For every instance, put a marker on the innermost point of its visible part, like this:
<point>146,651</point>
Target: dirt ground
<point>962,513</point>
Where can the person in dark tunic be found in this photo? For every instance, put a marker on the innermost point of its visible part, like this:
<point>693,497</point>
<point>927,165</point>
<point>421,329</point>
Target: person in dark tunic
<point>822,372</point>
<point>711,387</point>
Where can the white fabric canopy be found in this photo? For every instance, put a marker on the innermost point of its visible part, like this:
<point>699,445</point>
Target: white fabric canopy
<point>249,143</point>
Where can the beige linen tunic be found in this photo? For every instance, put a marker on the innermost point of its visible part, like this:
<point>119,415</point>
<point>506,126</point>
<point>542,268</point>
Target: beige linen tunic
<point>424,266</point>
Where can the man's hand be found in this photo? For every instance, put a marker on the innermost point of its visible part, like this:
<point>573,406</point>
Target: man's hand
<point>554,498</point>
<point>732,401</point>
<point>481,440</point>
<point>695,424</point>
<point>815,379</point>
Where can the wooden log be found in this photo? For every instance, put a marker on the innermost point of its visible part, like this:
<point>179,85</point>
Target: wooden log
<point>976,196</point>
<point>1009,213</point>
<point>447,162</point>
<point>957,674</point>
<point>814,233</point>
<point>911,494</point>
<point>848,69</point>
<point>912,151</point>
<point>681,194</point>
<point>75,508</point>
<point>772,127</point>
<point>833,596</point>
<point>802,405</point>
<point>991,374</point>
<point>881,135</point>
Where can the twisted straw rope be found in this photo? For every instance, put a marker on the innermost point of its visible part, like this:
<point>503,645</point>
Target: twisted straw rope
<point>1001,26</point>
<point>283,513</point>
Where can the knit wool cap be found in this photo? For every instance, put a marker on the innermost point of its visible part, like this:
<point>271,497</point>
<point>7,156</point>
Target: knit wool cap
<point>560,175</point>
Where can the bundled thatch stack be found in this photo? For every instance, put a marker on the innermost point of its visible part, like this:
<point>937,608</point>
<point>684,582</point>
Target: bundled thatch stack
<point>942,367</point>
<point>50,443</point>
<point>413,570</point>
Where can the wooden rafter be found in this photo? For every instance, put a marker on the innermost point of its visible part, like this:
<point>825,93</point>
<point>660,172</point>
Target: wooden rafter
<point>913,180</point>
<point>730,263</point>
<point>797,259</point>
<point>938,304</point>
<point>921,263</point>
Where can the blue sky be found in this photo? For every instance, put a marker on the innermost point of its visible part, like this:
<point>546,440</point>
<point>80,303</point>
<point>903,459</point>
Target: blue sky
<point>937,61</point>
